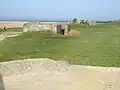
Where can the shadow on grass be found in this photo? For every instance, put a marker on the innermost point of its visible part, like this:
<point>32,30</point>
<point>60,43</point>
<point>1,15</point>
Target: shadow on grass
<point>61,37</point>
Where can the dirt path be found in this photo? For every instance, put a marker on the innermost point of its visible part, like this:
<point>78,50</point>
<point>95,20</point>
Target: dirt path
<point>9,34</point>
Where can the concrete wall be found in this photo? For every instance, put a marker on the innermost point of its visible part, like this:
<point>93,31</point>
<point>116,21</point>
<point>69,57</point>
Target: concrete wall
<point>39,27</point>
<point>1,83</point>
<point>44,26</point>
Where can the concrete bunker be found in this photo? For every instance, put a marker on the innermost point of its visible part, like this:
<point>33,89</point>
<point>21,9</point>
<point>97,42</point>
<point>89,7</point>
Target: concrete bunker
<point>59,28</point>
<point>63,29</point>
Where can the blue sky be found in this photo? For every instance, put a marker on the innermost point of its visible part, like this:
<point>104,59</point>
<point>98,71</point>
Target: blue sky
<point>60,9</point>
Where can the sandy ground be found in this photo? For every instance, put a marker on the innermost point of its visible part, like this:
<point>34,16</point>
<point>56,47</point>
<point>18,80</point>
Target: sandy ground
<point>74,32</point>
<point>75,78</point>
<point>10,24</point>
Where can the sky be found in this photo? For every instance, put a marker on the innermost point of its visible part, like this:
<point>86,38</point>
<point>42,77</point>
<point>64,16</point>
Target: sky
<point>60,9</point>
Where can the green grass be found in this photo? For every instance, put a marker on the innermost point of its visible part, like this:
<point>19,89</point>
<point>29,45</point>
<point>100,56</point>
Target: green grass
<point>13,29</point>
<point>96,45</point>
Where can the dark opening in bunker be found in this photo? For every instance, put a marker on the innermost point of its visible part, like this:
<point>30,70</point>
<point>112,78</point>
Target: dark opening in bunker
<point>62,32</point>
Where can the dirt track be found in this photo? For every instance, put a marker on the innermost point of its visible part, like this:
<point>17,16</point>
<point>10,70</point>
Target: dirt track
<point>9,34</point>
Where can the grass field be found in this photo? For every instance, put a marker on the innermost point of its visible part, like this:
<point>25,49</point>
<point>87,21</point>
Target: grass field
<point>17,29</point>
<point>96,45</point>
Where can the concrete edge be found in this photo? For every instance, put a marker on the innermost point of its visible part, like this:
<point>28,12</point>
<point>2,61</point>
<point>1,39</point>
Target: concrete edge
<point>109,69</point>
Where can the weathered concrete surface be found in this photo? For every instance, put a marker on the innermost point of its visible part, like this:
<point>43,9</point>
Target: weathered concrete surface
<point>46,74</point>
<point>38,26</point>
<point>1,83</point>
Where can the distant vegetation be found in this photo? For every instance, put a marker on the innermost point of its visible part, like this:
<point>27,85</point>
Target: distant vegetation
<point>103,21</point>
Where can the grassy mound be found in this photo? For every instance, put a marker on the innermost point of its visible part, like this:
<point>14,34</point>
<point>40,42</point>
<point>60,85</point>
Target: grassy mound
<point>94,46</point>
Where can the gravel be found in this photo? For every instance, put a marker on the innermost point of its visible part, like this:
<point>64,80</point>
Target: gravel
<point>32,65</point>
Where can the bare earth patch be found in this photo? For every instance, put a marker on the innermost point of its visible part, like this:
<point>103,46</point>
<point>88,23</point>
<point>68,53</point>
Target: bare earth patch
<point>74,32</point>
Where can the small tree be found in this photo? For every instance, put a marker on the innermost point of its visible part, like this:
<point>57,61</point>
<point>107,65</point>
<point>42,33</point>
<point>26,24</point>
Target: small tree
<point>74,20</point>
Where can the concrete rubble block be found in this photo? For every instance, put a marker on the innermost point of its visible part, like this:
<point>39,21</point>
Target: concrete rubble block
<point>30,27</point>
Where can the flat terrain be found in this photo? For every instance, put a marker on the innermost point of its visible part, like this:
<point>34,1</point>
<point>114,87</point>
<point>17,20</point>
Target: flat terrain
<point>95,45</point>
